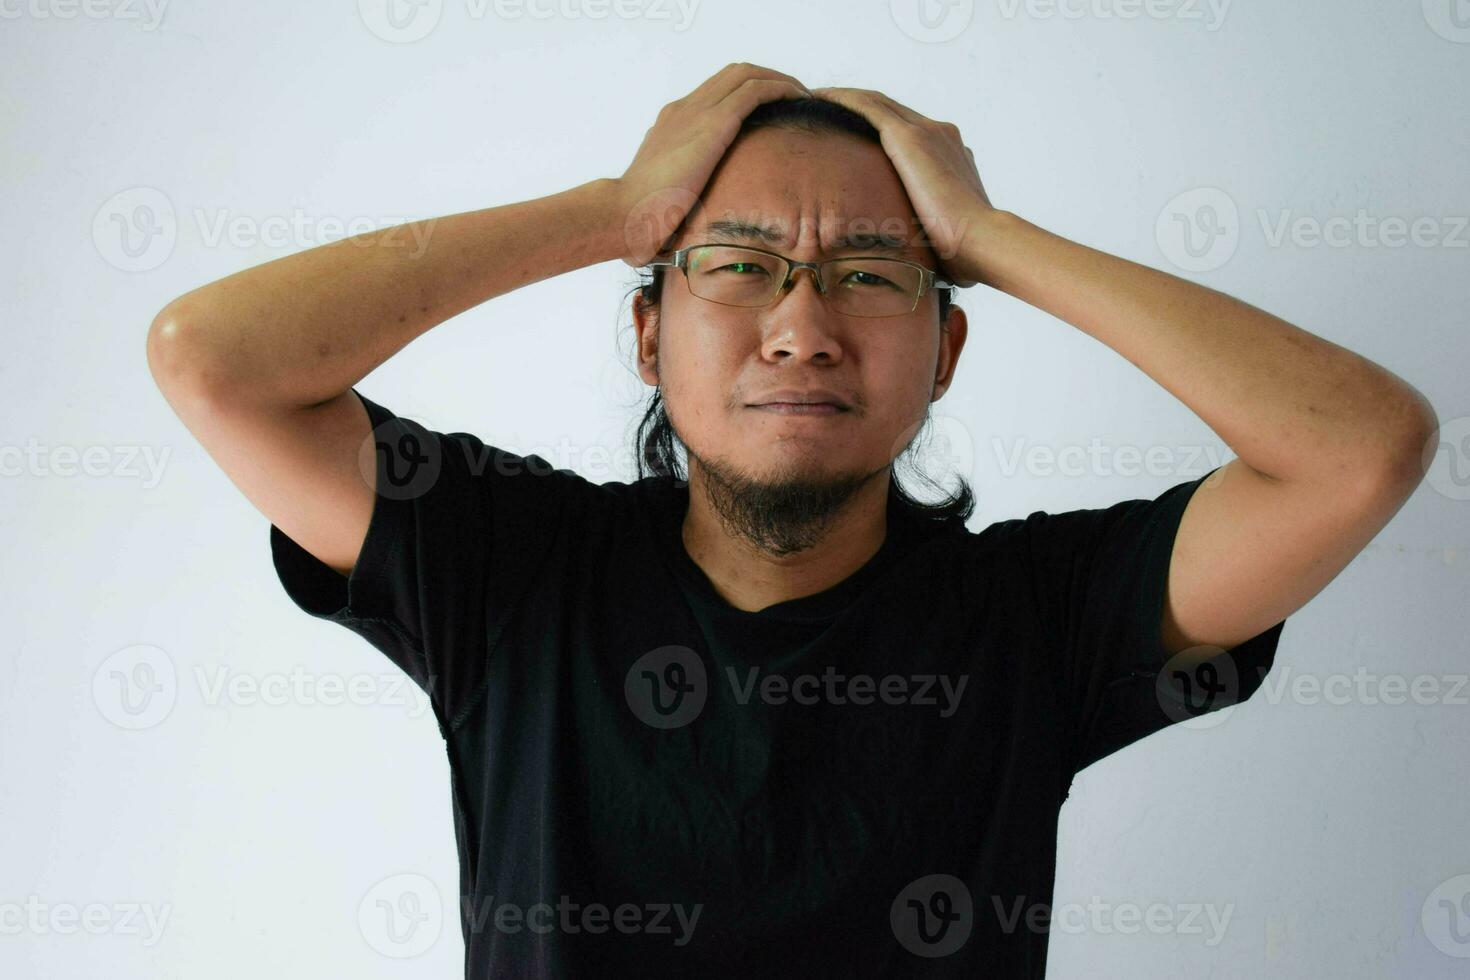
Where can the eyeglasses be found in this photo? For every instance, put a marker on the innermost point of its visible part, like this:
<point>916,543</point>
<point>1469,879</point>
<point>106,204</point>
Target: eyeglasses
<point>736,275</point>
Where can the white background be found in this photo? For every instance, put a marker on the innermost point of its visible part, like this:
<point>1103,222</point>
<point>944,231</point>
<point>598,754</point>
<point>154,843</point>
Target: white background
<point>1330,833</point>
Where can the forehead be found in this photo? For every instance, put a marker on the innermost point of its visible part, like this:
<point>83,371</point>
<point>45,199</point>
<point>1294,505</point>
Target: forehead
<point>833,235</point>
<point>799,193</point>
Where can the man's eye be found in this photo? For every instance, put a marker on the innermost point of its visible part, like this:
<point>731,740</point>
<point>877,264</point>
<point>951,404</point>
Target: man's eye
<point>874,279</point>
<point>746,265</point>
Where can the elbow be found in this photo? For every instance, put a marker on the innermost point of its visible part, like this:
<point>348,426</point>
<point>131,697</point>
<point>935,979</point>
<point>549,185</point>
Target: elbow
<point>1414,441</point>
<point>162,350</point>
<point>175,347</point>
<point>1422,439</point>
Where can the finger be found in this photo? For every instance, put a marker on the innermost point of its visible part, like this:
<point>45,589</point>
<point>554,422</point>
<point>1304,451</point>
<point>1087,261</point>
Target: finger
<point>719,86</point>
<point>879,115</point>
<point>755,91</point>
<point>866,101</point>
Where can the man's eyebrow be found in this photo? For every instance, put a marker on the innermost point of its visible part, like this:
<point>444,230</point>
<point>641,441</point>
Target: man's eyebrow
<point>775,238</point>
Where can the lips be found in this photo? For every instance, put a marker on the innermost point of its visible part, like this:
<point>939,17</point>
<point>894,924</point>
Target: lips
<point>796,398</point>
<point>807,408</point>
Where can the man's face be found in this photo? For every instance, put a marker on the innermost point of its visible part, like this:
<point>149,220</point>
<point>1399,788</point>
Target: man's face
<point>715,362</point>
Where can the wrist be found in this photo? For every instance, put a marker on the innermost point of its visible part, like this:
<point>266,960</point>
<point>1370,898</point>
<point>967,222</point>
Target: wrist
<point>983,243</point>
<point>600,205</point>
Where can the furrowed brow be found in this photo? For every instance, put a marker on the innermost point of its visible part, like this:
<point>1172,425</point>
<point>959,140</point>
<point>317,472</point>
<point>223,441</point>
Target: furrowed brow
<point>775,238</point>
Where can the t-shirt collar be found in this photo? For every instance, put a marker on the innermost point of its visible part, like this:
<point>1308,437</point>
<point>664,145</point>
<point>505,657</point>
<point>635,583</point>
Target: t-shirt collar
<point>668,526</point>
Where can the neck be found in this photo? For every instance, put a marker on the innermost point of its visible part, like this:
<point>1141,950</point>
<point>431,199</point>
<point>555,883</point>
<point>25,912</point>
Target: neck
<point>751,575</point>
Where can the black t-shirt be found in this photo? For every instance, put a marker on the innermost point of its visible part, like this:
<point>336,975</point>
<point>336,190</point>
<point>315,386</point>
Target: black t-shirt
<point>649,782</point>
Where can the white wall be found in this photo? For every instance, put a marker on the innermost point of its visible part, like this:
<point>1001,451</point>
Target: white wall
<point>1330,833</point>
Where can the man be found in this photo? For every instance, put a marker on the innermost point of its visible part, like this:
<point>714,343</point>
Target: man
<point>779,719</point>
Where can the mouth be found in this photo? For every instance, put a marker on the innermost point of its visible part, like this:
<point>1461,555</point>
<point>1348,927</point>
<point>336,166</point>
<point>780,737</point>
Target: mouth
<point>801,408</point>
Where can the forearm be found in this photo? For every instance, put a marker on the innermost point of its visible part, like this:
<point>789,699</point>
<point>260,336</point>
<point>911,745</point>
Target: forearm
<point>1291,405</point>
<point>306,327</point>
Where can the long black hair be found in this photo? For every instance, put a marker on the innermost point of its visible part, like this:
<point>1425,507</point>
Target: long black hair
<point>656,446</point>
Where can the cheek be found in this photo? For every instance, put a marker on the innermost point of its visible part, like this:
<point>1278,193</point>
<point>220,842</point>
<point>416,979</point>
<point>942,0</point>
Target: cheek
<point>898,400</point>
<point>697,385</point>
<point>898,376</point>
<point>708,368</point>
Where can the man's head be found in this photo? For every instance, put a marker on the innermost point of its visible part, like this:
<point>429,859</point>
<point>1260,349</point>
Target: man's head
<point>808,174</point>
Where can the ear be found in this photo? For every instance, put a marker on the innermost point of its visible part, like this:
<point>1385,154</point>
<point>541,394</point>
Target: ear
<point>645,324</point>
<point>951,342</point>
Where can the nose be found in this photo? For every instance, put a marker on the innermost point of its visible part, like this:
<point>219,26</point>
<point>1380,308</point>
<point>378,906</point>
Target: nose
<point>799,324</point>
<point>816,284</point>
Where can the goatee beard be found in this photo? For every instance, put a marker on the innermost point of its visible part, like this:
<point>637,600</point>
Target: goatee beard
<point>781,514</point>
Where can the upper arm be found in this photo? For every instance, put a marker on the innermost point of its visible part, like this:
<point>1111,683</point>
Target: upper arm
<point>302,467</point>
<point>1251,550</point>
<point>422,542</point>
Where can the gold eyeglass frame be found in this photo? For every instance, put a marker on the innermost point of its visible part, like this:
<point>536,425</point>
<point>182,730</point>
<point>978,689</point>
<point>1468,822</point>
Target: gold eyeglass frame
<point>930,279</point>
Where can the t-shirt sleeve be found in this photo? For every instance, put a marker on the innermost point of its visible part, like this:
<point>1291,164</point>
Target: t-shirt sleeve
<point>457,528</point>
<point>1099,578</point>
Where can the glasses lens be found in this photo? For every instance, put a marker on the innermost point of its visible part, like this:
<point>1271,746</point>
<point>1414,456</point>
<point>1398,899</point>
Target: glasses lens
<point>737,276</point>
<point>872,287</point>
<point>733,276</point>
